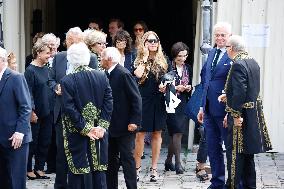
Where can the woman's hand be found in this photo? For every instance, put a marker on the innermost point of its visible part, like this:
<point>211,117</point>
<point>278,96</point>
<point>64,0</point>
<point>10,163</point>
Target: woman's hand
<point>188,88</point>
<point>139,70</point>
<point>180,88</point>
<point>162,88</point>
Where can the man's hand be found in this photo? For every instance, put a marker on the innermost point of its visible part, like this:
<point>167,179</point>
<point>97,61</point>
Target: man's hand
<point>132,127</point>
<point>238,121</point>
<point>225,123</point>
<point>200,116</point>
<point>33,117</point>
<point>17,139</point>
<point>222,98</point>
<point>93,134</point>
<point>58,89</point>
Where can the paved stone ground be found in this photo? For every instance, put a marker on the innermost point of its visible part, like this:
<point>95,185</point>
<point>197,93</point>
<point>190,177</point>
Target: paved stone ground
<point>269,168</point>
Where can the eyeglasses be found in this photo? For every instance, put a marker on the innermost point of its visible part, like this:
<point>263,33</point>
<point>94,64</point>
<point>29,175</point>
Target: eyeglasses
<point>220,35</point>
<point>120,42</point>
<point>152,40</point>
<point>105,44</point>
<point>227,46</point>
<point>138,29</point>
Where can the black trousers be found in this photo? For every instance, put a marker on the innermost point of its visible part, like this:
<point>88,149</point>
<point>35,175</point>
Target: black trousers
<point>51,157</point>
<point>41,132</point>
<point>61,160</point>
<point>121,148</point>
<point>93,180</point>
<point>245,175</point>
<point>13,167</point>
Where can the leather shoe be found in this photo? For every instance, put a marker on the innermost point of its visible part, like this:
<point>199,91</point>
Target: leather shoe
<point>169,166</point>
<point>179,169</point>
<point>41,177</point>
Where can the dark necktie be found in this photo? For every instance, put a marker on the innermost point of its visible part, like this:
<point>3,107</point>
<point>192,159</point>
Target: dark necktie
<point>215,60</point>
<point>107,74</point>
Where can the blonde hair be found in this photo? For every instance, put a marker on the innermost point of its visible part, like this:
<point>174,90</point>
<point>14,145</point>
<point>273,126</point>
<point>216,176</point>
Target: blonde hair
<point>38,47</point>
<point>159,63</point>
<point>94,36</point>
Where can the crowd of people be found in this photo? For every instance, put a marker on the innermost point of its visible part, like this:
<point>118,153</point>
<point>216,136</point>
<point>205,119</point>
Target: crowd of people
<point>86,111</point>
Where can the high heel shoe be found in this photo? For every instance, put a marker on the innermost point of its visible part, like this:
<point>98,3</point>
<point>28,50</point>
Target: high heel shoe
<point>179,169</point>
<point>41,177</point>
<point>31,178</point>
<point>169,166</point>
<point>154,175</point>
<point>138,173</point>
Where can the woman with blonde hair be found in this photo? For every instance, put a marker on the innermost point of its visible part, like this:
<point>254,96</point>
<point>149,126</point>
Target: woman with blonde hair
<point>150,66</point>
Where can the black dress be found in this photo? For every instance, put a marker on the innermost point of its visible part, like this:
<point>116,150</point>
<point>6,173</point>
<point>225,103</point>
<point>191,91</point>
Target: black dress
<point>176,122</point>
<point>153,105</point>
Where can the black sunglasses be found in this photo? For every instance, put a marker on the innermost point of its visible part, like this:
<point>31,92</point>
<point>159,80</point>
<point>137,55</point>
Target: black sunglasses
<point>152,40</point>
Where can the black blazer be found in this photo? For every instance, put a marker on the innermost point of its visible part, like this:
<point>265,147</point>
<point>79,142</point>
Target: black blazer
<point>127,102</point>
<point>58,71</point>
<point>15,108</point>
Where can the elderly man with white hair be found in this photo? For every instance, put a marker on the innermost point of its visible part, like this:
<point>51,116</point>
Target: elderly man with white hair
<point>61,67</point>
<point>125,120</point>
<point>247,132</point>
<point>87,106</point>
<point>15,130</point>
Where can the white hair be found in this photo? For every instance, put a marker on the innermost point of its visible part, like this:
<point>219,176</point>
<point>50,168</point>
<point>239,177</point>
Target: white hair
<point>76,31</point>
<point>78,54</point>
<point>112,53</point>
<point>3,53</point>
<point>223,25</point>
<point>237,43</point>
<point>94,36</point>
<point>50,38</point>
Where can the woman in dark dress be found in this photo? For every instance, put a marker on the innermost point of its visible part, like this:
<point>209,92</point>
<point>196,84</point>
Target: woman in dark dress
<point>36,75</point>
<point>150,66</point>
<point>176,122</point>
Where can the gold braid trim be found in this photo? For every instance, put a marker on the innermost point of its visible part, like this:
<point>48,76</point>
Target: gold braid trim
<point>96,157</point>
<point>71,165</point>
<point>103,123</point>
<point>90,114</point>
<point>264,129</point>
<point>233,112</point>
<point>82,68</point>
<point>240,140</point>
<point>234,157</point>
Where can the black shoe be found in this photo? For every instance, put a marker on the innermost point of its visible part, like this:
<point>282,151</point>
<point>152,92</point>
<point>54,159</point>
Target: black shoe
<point>41,177</point>
<point>31,178</point>
<point>179,169</point>
<point>169,166</point>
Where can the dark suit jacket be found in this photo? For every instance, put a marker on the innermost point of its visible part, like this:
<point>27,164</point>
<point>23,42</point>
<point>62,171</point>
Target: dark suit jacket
<point>58,71</point>
<point>214,83</point>
<point>127,102</point>
<point>80,91</point>
<point>15,108</point>
<point>243,86</point>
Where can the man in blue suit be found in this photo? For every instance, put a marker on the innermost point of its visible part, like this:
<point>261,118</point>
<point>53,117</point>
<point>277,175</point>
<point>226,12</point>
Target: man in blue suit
<point>60,67</point>
<point>212,112</point>
<point>15,131</point>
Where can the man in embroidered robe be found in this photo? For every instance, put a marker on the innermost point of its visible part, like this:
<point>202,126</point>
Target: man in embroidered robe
<point>247,132</point>
<point>87,107</point>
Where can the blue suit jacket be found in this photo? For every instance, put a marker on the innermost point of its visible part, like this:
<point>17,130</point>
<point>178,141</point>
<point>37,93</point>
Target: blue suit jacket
<point>58,71</point>
<point>15,107</point>
<point>214,83</point>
